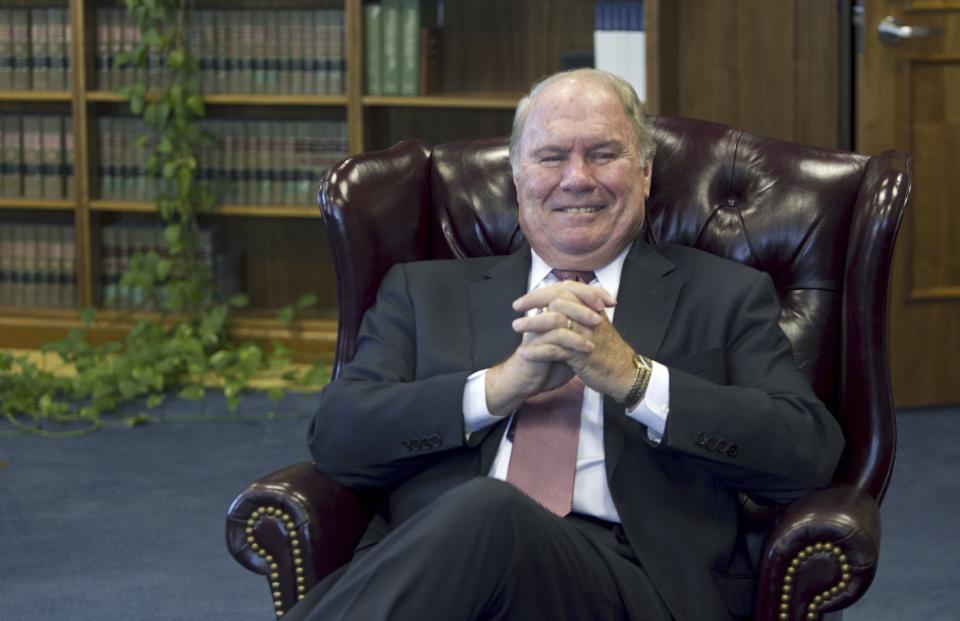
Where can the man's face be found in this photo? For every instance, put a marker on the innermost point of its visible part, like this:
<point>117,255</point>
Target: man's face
<point>580,182</point>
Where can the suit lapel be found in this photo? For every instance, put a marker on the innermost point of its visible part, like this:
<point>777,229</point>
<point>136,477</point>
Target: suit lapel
<point>491,337</point>
<point>649,289</point>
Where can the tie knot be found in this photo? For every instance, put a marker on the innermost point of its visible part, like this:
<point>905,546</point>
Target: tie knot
<point>584,277</point>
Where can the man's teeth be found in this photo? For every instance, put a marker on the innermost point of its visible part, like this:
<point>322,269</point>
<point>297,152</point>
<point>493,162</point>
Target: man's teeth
<point>580,209</point>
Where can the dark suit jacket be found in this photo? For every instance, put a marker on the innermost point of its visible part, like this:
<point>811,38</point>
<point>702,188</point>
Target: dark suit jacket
<point>742,416</point>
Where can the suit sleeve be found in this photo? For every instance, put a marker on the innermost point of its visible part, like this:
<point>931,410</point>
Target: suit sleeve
<point>378,423</point>
<point>765,433</point>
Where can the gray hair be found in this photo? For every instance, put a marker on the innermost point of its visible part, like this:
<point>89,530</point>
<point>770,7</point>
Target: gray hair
<point>620,88</point>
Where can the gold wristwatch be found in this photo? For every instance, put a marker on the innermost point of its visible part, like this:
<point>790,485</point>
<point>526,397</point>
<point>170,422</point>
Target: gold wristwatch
<point>643,368</point>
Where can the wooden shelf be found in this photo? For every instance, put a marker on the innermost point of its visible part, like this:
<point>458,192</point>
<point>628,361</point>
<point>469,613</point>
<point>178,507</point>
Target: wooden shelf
<point>252,211</point>
<point>64,96</point>
<point>43,204</point>
<point>486,101</point>
<point>240,99</point>
<point>37,326</point>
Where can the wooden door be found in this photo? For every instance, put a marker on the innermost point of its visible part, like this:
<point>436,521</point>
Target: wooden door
<point>909,98</point>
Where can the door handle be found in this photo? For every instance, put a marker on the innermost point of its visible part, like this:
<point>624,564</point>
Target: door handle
<point>892,31</point>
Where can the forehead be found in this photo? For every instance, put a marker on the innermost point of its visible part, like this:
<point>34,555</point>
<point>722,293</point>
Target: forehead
<point>575,110</point>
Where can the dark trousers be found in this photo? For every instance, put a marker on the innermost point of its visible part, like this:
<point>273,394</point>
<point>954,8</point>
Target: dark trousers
<point>485,551</point>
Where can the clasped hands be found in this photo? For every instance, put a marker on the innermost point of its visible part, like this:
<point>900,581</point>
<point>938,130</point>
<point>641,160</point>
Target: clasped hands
<point>568,335</point>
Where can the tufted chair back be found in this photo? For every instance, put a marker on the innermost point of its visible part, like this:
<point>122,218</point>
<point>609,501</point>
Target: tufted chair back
<point>821,223</point>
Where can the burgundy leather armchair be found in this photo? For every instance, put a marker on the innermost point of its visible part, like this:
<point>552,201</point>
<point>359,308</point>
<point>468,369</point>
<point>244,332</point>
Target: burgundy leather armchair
<point>822,223</point>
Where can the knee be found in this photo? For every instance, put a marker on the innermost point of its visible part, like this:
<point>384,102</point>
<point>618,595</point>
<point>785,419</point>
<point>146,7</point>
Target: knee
<point>485,502</point>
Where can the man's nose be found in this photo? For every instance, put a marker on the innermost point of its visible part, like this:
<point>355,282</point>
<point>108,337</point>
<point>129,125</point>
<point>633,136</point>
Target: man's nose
<point>577,176</point>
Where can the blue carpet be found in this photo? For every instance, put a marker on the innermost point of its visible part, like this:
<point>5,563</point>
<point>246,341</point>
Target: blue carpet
<point>129,523</point>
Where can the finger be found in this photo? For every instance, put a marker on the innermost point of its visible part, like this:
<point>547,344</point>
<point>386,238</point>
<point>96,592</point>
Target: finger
<point>569,340</point>
<point>593,297</point>
<point>545,322</point>
<point>577,311</point>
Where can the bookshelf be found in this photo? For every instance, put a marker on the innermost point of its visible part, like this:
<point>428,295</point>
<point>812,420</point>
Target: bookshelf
<point>484,55</point>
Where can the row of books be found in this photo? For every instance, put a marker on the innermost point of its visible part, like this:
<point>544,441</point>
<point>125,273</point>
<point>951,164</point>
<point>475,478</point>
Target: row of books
<point>37,265</point>
<point>121,241</point>
<point>257,162</point>
<point>36,156</point>
<point>274,51</point>
<point>34,48</point>
<point>396,45</point>
<point>619,42</point>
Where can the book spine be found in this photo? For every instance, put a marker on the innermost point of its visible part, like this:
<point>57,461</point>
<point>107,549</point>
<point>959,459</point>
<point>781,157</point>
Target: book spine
<point>410,47</point>
<point>338,67</point>
<point>20,28</point>
<point>221,51</point>
<point>69,267</point>
<point>32,157</point>
<point>11,174</point>
<point>6,265</point>
<point>6,49</point>
<point>57,51</point>
<point>39,61</point>
<point>373,47</point>
<point>51,128</point>
<point>391,47</point>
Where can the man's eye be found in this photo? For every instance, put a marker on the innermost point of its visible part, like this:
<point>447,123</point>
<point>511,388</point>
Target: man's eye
<point>550,159</point>
<point>603,156</point>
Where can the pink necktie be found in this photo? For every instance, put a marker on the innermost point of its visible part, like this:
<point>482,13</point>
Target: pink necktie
<point>543,462</point>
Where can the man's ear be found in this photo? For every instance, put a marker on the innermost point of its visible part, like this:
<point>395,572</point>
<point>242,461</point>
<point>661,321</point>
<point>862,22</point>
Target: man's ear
<point>648,177</point>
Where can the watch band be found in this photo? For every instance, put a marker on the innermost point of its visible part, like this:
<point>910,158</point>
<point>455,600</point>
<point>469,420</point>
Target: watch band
<point>643,368</point>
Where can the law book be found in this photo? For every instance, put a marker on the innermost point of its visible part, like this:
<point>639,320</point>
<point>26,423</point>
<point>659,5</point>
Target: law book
<point>43,282</point>
<point>313,51</point>
<point>18,234</point>
<point>129,38</point>
<point>32,157</point>
<point>102,60</point>
<point>115,25</point>
<point>373,47</point>
<point>338,67</point>
<point>409,47</point>
<point>391,47</point>
<point>20,28</point>
<point>69,178</point>
<point>6,49</point>
<point>39,67</point>
<point>285,50</point>
<point>51,130</point>
<point>57,51</point>
<point>106,171</point>
<point>109,265</point>
<point>11,141</point>
<point>68,268</point>
<point>67,62</point>
<point>321,21</point>
<point>271,43</point>
<point>6,265</point>
<point>303,50</point>
<point>55,266</point>
<point>220,55</point>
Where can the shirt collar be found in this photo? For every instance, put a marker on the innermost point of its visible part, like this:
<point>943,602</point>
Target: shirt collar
<point>608,276</point>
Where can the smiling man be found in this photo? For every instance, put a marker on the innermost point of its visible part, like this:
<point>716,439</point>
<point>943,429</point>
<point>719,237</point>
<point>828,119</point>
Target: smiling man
<point>563,433</point>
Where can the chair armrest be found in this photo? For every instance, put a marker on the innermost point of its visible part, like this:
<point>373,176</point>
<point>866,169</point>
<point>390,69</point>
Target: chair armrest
<point>295,526</point>
<point>821,555</point>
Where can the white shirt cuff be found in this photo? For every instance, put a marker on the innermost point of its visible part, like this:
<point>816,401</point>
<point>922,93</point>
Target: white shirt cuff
<point>476,416</point>
<point>653,409</point>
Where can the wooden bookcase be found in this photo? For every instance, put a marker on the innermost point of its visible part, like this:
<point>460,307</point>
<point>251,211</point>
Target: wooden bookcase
<point>489,53</point>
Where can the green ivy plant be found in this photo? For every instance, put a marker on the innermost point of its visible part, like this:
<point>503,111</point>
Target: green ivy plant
<point>178,343</point>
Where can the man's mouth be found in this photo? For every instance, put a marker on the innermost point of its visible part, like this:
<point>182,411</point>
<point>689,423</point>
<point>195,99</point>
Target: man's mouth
<point>581,209</point>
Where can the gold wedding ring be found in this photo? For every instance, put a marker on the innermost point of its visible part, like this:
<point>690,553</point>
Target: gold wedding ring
<point>544,309</point>
<point>569,324</point>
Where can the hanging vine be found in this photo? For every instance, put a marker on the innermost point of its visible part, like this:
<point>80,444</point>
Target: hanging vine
<point>178,343</point>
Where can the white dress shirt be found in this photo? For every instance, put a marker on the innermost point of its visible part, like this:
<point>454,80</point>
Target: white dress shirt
<point>591,494</point>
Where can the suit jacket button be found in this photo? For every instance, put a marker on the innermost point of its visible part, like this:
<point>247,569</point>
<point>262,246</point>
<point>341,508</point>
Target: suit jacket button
<point>722,445</point>
<point>435,440</point>
<point>416,444</point>
<point>699,438</point>
<point>732,450</point>
<point>405,445</point>
<point>711,444</point>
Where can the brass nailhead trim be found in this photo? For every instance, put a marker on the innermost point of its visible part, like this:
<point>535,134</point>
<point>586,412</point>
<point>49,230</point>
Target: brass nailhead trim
<point>825,596</point>
<point>287,521</point>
